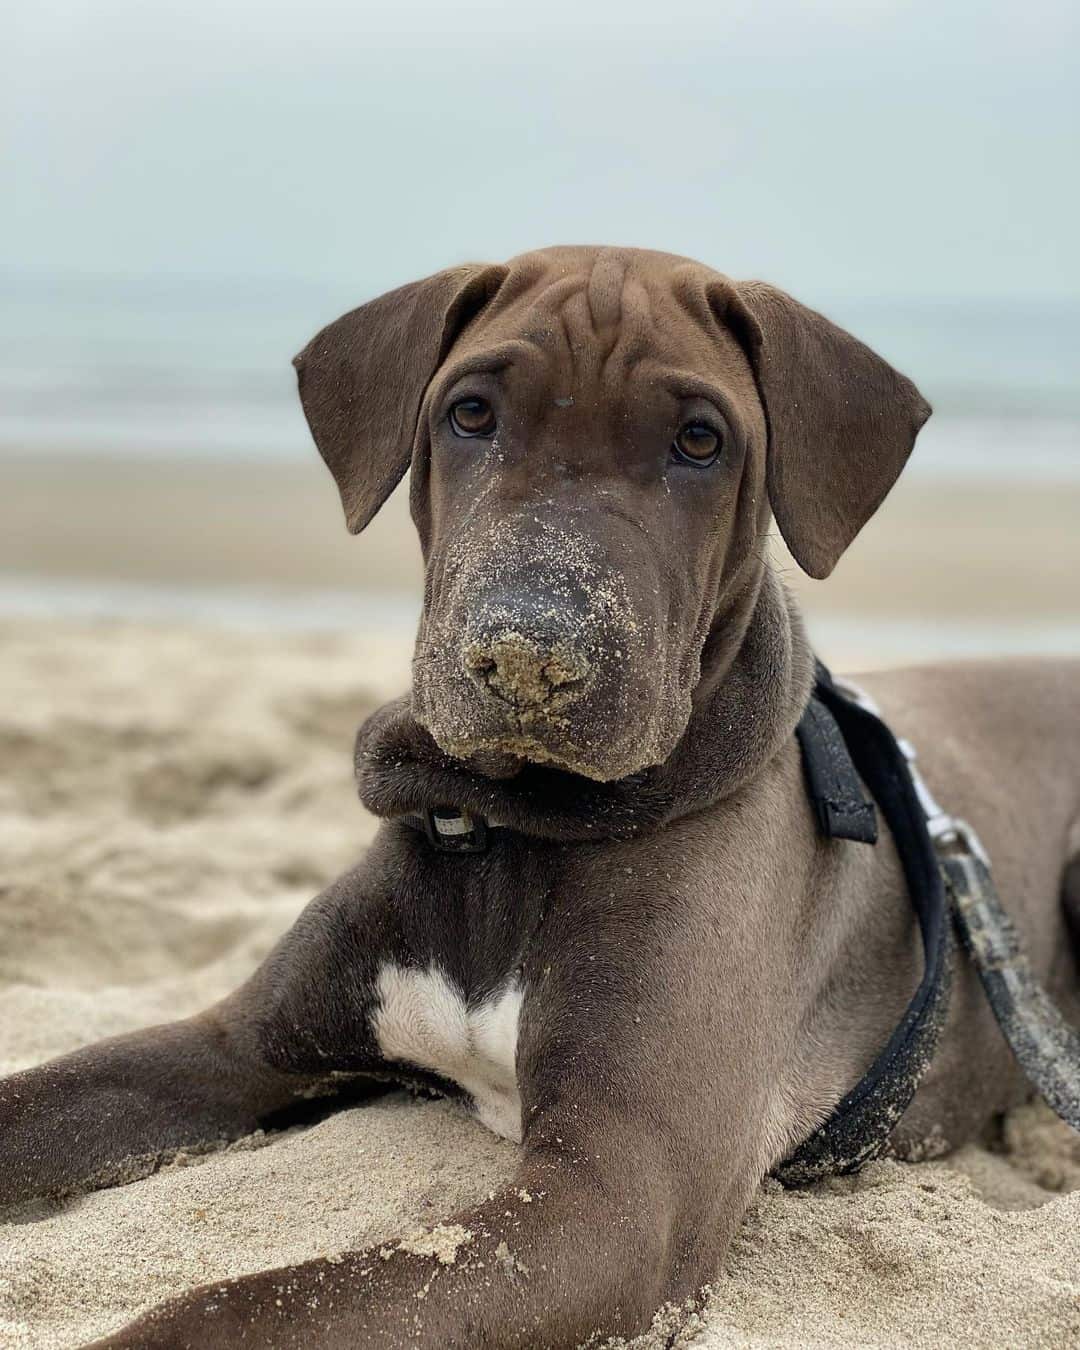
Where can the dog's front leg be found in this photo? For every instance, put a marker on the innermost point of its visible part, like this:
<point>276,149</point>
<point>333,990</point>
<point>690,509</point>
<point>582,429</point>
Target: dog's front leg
<point>109,1112</point>
<point>586,1241</point>
<point>642,1115</point>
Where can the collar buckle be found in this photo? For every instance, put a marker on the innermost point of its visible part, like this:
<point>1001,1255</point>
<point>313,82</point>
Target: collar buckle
<point>451,830</point>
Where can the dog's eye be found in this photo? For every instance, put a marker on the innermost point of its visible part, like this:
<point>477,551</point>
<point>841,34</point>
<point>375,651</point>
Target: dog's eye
<point>472,417</point>
<point>697,443</point>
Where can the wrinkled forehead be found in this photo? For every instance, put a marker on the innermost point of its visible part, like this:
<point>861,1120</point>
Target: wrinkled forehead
<point>605,320</point>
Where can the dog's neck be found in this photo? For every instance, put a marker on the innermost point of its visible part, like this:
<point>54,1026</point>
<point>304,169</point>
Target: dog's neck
<point>756,675</point>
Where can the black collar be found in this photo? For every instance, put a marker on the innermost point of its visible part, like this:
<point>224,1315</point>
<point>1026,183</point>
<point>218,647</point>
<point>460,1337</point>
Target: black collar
<point>450,829</point>
<point>832,784</point>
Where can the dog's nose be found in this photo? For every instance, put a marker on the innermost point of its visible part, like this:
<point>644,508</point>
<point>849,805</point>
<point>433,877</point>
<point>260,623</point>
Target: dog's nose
<point>526,671</point>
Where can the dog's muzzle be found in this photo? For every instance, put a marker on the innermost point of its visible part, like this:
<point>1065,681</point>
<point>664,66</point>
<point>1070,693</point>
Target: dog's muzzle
<point>526,671</point>
<point>542,651</point>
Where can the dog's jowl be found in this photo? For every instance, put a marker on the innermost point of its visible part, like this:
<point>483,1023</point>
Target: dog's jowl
<point>601,907</point>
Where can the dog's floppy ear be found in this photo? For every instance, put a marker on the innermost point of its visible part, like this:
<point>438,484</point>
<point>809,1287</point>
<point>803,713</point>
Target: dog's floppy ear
<point>841,422</point>
<point>362,379</point>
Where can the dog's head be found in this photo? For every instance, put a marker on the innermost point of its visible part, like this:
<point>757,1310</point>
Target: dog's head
<point>596,438</point>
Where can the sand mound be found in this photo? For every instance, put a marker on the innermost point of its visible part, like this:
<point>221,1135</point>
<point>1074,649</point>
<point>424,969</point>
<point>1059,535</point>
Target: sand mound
<point>169,800</point>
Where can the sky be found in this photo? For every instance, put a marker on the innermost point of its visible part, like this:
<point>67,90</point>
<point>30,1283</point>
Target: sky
<point>844,149</point>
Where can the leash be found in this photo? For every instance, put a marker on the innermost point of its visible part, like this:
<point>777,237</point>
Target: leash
<point>846,743</point>
<point>1046,1046</point>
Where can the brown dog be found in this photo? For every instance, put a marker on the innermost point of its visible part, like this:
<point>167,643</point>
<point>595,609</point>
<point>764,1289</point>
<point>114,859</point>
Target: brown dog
<point>657,975</point>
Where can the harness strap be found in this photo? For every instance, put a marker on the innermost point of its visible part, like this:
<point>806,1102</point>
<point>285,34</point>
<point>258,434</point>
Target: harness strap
<point>832,784</point>
<point>948,874</point>
<point>859,1127</point>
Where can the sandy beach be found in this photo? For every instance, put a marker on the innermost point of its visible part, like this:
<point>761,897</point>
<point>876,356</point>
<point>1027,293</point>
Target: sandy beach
<point>172,796</point>
<point>189,636</point>
<point>956,554</point>
<point>188,647</point>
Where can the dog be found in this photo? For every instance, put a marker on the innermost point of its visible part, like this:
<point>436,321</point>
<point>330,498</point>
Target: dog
<point>651,969</point>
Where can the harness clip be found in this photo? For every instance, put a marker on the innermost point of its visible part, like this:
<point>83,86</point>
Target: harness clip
<point>949,833</point>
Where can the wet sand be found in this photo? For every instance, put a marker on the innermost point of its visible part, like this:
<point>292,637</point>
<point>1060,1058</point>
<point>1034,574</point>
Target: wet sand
<point>995,553</point>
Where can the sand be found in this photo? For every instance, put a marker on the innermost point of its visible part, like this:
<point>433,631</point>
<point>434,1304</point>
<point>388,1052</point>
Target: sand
<point>1001,554</point>
<point>170,798</point>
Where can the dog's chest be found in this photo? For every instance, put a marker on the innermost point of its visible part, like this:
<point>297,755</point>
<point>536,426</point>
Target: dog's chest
<point>423,1018</point>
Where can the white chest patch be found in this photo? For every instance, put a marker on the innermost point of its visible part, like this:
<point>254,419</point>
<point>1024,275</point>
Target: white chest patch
<point>423,1019</point>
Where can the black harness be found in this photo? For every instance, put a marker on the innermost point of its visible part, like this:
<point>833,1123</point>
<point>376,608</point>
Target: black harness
<point>845,744</point>
<point>842,741</point>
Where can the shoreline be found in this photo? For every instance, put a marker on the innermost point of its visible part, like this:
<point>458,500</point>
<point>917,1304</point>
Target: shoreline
<point>945,568</point>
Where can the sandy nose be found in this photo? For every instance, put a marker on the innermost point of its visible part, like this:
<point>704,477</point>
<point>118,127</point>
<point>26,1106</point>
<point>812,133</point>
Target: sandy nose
<point>526,672</point>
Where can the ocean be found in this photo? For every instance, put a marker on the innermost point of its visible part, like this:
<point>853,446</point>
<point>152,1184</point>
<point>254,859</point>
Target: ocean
<point>202,367</point>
